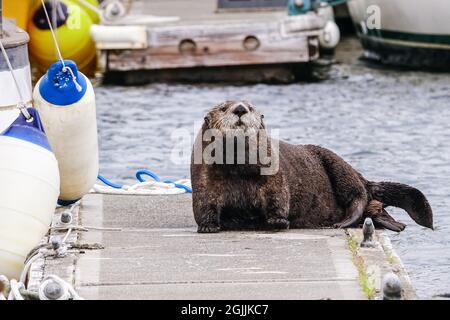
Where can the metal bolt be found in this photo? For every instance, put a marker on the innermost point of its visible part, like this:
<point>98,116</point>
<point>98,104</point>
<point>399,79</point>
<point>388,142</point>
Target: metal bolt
<point>368,231</point>
<point>115,9</point>
<point>66,217</point>
<point>53,290</point>
<point>392,287</point>
<point>61,252</point>
<point>56,243</point>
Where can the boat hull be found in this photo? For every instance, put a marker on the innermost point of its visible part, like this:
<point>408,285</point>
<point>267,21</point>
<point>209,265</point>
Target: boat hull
<point>412,33</point>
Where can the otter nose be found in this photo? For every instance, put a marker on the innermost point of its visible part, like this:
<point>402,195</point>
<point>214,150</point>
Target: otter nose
<point>240,110</point>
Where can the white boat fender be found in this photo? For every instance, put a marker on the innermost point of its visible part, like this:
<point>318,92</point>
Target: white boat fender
<point>66,102</point>
<point>330,36</point>
<point>29,189</point>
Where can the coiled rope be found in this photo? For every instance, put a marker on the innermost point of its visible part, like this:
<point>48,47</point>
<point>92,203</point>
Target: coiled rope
<point>144,187</point>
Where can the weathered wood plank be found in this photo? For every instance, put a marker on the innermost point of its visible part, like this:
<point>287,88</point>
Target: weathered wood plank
<point>219,45</point>
<point>204,37</point>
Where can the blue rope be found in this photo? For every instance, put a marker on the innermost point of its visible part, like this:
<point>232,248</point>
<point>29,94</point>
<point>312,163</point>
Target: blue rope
<point>153,175</point>
<point>180,186</point>
<point>109,183</point>
<point>139,175</point>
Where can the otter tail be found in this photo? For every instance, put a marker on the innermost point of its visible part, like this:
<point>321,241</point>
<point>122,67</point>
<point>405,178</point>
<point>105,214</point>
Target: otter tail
<point>406,197</point>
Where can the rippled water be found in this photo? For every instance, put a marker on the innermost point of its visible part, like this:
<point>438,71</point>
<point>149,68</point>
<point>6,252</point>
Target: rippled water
<point>390,125</point>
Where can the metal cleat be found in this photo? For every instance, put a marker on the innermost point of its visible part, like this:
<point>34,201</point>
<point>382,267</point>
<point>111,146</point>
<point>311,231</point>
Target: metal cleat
<point>392,287</point>
<point>368,232</point>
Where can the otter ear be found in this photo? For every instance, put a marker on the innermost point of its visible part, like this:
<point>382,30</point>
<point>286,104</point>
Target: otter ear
<point>263,126</point>
<point>207,119</point>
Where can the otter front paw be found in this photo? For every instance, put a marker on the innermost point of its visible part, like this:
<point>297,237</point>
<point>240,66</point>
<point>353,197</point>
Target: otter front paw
<point>208,228</point>
<point>278,223</point>
<point>341,225</point>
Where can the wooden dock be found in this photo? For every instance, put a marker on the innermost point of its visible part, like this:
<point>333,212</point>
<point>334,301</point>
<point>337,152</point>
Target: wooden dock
<point>151,250</point>
<point>204,36</point>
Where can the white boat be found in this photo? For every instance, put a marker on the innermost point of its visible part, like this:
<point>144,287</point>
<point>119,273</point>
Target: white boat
<point>413,33</point>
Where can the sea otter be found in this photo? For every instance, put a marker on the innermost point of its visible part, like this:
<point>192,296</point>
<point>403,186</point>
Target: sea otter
<point>310,187</point>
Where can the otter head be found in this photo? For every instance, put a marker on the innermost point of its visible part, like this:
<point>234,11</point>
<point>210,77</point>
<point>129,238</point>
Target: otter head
<point>234,115</point>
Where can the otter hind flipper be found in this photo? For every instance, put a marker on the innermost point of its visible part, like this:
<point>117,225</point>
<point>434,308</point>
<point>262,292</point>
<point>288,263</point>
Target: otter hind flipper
<point>381,218</point>
<point>388,224</point>
<point>386,221</point>
<point>406,197</point>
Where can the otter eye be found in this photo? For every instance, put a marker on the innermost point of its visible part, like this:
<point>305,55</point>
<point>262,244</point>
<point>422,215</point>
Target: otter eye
<point>262,116</point>
<point>223,109</point>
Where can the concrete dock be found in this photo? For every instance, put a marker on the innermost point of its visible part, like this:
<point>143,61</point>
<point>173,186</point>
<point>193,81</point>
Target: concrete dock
<point>152,251</point>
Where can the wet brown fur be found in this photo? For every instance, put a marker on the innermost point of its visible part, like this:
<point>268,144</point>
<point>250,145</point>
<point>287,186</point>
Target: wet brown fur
<point>314,188</point>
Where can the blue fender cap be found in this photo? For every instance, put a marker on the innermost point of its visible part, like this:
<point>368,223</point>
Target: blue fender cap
<point>294,9</point>
<point>58,86</point>
<point>32,131</point>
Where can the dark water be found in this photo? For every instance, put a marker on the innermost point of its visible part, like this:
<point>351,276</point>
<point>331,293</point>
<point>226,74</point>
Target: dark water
<point>390,125</point>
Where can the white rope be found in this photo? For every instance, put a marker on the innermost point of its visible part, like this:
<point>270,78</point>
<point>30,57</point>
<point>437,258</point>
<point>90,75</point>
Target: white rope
<point>14,289</point>
<point>60,11</point>
<point>144,188</point>
<point>55,40</point>
<point>69,231</point>
<point>21,105</point>
<point>26,268</point>
<point>51,288</point>
<point>14,294</point>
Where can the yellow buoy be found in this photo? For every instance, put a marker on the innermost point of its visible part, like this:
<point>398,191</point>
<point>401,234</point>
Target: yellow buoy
<point>73,25</point>
<point>19,11</point>
<point>94,16</point>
